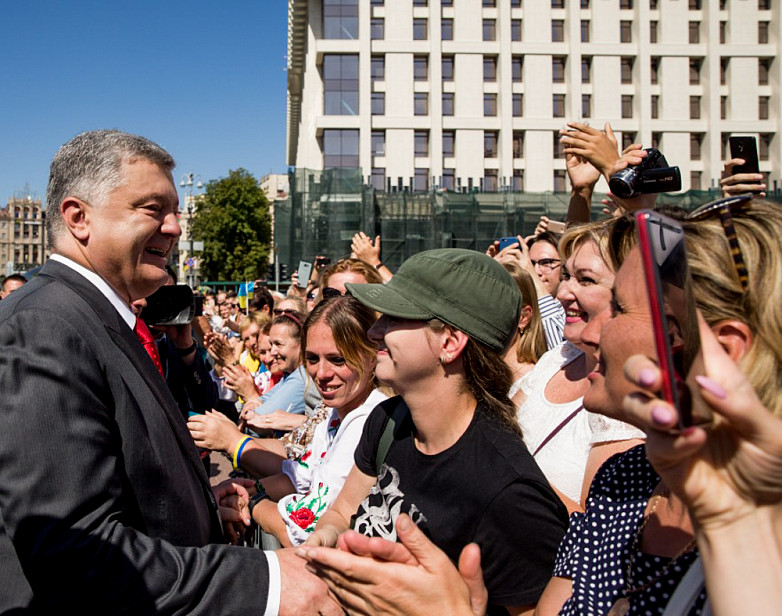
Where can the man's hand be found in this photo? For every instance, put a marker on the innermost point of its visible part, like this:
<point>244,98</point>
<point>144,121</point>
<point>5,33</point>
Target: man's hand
<point>303,593</point>
<point>214,431</point>
<point>232,498</point>
<point>736,184</point>
<point>416,578</point>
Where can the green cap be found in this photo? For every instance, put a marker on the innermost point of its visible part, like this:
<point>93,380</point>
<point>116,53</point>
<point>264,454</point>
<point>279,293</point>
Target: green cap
<point>466,289</point>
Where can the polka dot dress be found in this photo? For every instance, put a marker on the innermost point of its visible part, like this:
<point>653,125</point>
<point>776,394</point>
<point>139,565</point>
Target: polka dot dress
<point>596,548</point>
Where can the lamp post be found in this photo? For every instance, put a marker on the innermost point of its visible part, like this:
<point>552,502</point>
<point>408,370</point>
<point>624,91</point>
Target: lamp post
<point>187,183</point>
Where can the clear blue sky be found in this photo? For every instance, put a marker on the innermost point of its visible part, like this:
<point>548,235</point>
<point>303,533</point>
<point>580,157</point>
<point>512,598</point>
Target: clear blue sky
<point>203,78</point>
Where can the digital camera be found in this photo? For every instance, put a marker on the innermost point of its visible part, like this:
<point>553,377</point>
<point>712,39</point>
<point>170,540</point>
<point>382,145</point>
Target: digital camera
<point>652,175</point>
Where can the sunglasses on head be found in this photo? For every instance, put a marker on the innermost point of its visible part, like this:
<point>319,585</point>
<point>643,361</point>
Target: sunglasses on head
<point>724,208</point>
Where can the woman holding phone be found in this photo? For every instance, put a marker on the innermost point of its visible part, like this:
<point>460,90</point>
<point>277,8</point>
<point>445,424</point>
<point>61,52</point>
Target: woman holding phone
<point>448,451</point>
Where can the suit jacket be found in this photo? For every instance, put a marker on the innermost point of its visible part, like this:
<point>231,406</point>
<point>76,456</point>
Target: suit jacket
<point>105,506</point>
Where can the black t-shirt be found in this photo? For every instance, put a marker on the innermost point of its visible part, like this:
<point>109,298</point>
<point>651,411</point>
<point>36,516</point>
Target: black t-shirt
<point>486,489</point>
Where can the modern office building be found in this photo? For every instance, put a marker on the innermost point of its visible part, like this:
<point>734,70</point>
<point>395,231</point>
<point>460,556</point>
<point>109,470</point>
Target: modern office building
<point>471,94</point>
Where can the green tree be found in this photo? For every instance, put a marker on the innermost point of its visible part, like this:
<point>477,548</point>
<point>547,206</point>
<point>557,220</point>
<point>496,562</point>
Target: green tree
<point>232,219</point>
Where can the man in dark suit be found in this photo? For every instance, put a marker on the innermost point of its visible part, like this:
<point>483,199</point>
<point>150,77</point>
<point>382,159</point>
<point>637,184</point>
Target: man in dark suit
<point>104,504</point>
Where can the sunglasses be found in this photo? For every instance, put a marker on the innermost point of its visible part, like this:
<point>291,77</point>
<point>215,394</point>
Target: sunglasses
<point>724,208</point>
<point>280,311</point>
<point>330,292</point>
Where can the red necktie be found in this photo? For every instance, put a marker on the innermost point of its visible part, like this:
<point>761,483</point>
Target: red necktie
<point>146,339</point>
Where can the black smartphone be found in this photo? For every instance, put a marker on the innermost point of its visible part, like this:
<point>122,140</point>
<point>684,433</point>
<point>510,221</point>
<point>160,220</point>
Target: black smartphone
<point>508,241</point>
<point>673,311</point>
<point>744,147</point>
<point>170,305</point>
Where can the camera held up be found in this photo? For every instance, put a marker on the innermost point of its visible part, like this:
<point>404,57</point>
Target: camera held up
<point>652,175</point>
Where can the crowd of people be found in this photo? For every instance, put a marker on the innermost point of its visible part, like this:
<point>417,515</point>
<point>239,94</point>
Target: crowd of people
<point>475,433</point>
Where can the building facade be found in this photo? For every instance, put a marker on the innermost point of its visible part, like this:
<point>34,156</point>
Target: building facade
<point>471,94</point>
<point>22,234</point>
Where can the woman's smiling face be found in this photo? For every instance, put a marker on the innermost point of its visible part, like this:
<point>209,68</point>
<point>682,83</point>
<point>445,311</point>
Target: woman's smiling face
<point>285,349</point>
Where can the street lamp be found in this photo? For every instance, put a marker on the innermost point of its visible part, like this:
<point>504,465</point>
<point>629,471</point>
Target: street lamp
<point>187,183</point>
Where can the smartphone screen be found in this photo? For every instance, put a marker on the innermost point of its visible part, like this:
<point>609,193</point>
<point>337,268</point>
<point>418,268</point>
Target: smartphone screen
<point>674,315</point>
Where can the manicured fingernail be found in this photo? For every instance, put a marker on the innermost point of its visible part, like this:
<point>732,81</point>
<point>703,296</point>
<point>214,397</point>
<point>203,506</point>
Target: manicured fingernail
<point>662,415</point>
<point>646,377</point>
<point>712,387</point>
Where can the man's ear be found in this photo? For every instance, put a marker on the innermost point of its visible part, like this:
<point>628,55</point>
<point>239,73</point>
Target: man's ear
<point>734,336</point>
<point>76,218</point>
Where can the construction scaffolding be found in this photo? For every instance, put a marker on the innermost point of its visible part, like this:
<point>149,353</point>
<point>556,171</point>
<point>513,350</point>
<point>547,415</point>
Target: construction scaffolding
<point>327,207</point>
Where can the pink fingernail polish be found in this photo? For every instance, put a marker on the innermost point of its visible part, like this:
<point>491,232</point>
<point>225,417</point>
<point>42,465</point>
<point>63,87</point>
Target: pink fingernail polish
<point>662,415</point>
<point>713,388</point>
<point>646,376</point>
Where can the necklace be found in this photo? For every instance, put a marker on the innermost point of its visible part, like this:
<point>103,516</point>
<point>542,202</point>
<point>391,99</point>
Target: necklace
<point>622,605</point>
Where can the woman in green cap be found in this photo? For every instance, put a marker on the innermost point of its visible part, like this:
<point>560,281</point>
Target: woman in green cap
<point>447,450</point>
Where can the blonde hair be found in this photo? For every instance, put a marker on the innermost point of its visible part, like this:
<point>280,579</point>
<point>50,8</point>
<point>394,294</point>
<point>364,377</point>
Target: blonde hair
<point>532,342</point>
<point>259,318</point>
<point>719,294</point>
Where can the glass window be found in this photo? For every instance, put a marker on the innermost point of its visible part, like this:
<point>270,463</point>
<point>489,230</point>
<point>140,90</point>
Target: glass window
<point>558,69</point>
<point>517,183</point>
<point>627,105</point>
<point>378,68</point>
<point>378,179</point>
<point>378,143</point>
<point>763,107</point>
<point>518,144</point>
<point>654,73</point>
<point>655,106</point>
<point>628,139</point>
<point>557,145</point>
<point>421,68</point>
<point>723,31</point>
<point>695,5</point>
<point>421,138</point>
<point>489,3</point>
<point>695,71</point>
<point>653,4</point>
<point>447,68</point>
<point>421,103</point>
<point>490,104</point>
<point>518,105</point>
<point>584,4</point>
<point>446,2</point>
<point>448,103</point>
<point>490,183</point>
<point>420,2</point>
<point>657,141</point>
<point>586,69</point>
<point>764,5</point>
<point>764,145</point>
<point>515,4</point>
<point>764,66</point>
<point>652,31</point>
<point>560,181</point>
<point>490,138</point>
<point>625,31</point>
<point>446,29</point>
<point>421,181</point>
<point>378,103</point>
<point>557,30</point>
<point>557,4</point>
<point>762,32</point>
<point>489,29</point>
<point>448,180</point>
<point>584,30</point>
<point>490,68</point>
<point>449,143</point>
<point>377,2</point>
<point>558,105</point>
<point>517,64</point>
<point>625,4</point>
<point>695,180</point>
<point>420,26</point>
<point>724,62</point>
<point>723,107</point>
<point>340,148</point>
<point>340,19</point>
<point>696,140</point>
<point>627,70</point>
<point>515,29</point>
<point>695,108</point>
<point>695,32</point>
<point>586,105</point>
<point>377,27</point>
<point>340,84</point>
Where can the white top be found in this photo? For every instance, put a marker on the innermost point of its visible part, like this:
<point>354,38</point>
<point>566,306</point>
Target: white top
<point>319,474</point>
<point>563,459</point>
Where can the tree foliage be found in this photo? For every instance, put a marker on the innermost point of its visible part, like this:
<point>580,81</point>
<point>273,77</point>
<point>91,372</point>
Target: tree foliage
<point>232,219</point>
